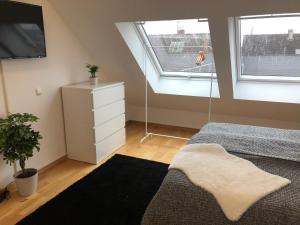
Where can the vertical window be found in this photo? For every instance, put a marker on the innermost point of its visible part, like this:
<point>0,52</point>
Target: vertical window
<point>179,47</point>
<point>268,46</point>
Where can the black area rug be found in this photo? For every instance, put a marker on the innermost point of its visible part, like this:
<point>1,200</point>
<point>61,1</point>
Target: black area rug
<point>116,193</point>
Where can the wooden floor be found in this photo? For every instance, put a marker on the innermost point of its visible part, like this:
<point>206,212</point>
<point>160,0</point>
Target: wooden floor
<point>57,178</point>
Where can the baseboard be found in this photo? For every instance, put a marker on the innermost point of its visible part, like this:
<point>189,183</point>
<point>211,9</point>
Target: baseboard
<point>130,122</point>
<point>43,169</point>
<point>196,120</point>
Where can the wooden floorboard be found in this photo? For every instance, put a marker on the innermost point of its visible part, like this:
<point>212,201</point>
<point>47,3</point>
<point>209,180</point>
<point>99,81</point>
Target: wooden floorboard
<point>58,177</point>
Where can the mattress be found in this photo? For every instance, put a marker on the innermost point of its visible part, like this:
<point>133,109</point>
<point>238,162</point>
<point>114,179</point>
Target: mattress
<point>179,202</point>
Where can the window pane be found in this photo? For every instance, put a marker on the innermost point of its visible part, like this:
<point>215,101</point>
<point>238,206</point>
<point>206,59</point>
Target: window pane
<point>270,46</point>
<point>178,44</point>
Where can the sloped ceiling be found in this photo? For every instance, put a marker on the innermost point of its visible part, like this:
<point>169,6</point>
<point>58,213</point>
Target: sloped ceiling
<point>93,21</point>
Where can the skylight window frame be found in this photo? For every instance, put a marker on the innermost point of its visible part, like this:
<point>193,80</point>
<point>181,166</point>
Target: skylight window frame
<point>146,42</point>
<point>238,52</point>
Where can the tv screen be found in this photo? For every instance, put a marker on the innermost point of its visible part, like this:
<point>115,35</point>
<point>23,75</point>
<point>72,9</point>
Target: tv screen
<point>21,31</point>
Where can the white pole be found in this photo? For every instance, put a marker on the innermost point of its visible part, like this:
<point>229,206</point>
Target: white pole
<point>146,94</point>
<point>5,97</point>
<point>6,105</point>
<point>146,100</point>
<point>210,97</point>
<point>15,167</point>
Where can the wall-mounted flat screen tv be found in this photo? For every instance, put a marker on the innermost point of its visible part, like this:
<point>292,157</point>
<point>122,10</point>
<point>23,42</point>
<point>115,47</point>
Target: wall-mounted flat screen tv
<point>21,31</point>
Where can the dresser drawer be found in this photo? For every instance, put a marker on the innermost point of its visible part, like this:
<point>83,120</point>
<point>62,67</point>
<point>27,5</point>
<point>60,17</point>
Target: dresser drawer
<point>109,144</point>
<point>108,128</point>
<point>107,95</point>
<point>108,112</point>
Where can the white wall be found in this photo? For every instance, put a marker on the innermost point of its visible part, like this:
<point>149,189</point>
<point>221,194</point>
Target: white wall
<point>96,29</point>
<point>195,120</point>
<point>63,65</point>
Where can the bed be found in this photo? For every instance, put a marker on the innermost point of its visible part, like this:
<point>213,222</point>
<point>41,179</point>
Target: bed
<point>277,151</point>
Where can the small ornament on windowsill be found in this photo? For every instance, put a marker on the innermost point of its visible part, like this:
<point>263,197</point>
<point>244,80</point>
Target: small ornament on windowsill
<point>200,58</point>
<point>93,69</point>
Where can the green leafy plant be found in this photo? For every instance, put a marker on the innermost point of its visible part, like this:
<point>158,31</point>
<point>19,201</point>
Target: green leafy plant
<point>93,69</point>
<point>18,139</point>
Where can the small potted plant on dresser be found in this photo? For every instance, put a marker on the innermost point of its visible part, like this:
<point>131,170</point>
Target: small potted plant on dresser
<point>18,140</point>
<point>93,69</point>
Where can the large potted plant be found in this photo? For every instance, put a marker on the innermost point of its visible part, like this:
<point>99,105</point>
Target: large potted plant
<point>18,140</point>
<point>93,69</point>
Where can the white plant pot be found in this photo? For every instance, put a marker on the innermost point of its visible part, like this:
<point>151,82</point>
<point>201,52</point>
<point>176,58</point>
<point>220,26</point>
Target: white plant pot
<point>94,80</point>
<point>28,185</point>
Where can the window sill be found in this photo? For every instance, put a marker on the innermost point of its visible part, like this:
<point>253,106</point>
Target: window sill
<point>281,79</point>
<point>287,92</point>
<point>187,87</point>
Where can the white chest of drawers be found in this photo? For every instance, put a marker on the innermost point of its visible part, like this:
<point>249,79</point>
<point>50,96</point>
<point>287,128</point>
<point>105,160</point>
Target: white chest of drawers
<point>94,120</point>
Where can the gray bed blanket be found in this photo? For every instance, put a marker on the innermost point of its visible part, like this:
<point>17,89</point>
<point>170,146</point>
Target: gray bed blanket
<point>179,202</point>
<point>263,141</point>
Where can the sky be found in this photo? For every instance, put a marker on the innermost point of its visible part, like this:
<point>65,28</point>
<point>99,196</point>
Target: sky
<point>278,25</point>
<point>170,26</point>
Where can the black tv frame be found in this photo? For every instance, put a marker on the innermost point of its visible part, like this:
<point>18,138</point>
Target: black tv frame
<point>44,36</point>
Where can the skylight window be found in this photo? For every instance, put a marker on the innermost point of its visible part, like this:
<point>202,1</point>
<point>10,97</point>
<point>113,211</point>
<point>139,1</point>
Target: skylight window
<point>268,47</point>
<point>176,45</point>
